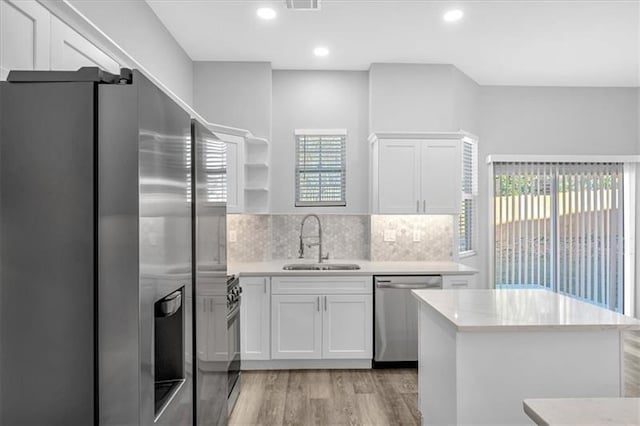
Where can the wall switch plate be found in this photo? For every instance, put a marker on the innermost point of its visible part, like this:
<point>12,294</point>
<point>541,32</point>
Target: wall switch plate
<point>233,237</point>
<point>389,235</point>
<point>416,235</point>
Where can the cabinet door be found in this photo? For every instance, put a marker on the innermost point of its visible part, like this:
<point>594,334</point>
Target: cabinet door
<point>24,36</point>
<point>399,177</point>
<point>217,338</point>
<point>255,317</point>
<point>232,177</point>
<point>201,324</point>
<point>296,328</point>
<point>70,51</point>
<point>458,281</point>
<point>347,327</point>
<point>441,180</point>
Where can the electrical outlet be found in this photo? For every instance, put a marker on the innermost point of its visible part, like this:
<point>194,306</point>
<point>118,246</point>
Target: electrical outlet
<point>416,235</point>
<point>389,235</point>
<point>233,237</point>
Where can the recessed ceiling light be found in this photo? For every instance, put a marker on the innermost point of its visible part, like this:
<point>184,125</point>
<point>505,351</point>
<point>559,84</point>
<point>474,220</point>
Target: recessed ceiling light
<point>453,15</point>
<point>266,13</point>
<point>321,51</point>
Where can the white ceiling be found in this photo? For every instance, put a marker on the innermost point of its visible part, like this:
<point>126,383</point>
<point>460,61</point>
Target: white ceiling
<point>517,42</point>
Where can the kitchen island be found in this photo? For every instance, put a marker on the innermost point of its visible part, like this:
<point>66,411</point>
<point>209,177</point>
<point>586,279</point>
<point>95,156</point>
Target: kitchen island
<point>584,411</point>
<point>482,352</point>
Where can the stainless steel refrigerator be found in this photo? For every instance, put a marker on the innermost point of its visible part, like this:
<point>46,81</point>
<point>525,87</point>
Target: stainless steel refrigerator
<point>212,299</point>
<point>96,268</point>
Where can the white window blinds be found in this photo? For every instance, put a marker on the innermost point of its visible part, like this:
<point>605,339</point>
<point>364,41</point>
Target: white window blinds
<point>560,226</point>
<point>215,169</point>
<point>466,229</point>
<point>320,169</point>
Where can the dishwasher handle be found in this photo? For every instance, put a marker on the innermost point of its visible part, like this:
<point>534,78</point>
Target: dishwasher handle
<point>403,284</point>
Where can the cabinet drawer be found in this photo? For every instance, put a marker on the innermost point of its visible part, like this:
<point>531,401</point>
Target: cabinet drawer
<point>458,281</point>
<point>322,285</point>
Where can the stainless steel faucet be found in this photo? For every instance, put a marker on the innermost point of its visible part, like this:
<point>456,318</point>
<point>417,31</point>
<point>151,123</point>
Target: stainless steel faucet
<point>319,243</point>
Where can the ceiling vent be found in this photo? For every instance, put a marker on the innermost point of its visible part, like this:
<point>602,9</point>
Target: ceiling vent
<point>303,4</point>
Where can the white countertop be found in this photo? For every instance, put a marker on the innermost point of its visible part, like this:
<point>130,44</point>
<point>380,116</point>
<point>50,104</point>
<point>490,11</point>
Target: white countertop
<point>367,267</point>
<point>584,411</point>
<point>519,309</point>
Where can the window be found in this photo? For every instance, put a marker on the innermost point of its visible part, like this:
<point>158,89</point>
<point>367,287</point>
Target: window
<point>466,228</point>
<point>320,168</point>
<point>560,226</point>
<point>212,171</point>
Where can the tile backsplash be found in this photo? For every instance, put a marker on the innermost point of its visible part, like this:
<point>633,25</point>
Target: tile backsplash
<point>266,237</point>
<point>343,236</point>
<point>435,235</point>
<point>252,235</point>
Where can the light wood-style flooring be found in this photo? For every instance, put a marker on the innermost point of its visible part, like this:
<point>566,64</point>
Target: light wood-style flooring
<point>356,397</point>
<point>328,397</point>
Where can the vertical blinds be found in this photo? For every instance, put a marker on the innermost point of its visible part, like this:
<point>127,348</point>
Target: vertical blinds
<point>560,226</point>
<point>466,231</point>
<point>320,170</point>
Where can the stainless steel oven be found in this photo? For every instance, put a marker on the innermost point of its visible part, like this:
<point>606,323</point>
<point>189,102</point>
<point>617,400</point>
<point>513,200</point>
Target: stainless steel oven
<point>233,325</point>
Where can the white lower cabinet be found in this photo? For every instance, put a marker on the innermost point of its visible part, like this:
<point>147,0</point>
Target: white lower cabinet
<point>296,329</point>
<point>347,326</point>
<point>255,318</point>
<point>458,281</point>
<point>322,326</point>
<point>211,314</point>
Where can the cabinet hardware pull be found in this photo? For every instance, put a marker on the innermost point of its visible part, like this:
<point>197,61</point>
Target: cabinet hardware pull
<point>265,286</point>
<point>424,206</point>
<point>417,206</point>
<point>325,303</point>
<point>318,300</point>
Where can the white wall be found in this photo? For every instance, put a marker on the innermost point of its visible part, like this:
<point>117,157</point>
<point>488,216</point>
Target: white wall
<point>540,120</point>
<point>135,28</point>
<point>466,103</point>
<point>236,94</point>
<point>411,97</point>
<point>319,100</point>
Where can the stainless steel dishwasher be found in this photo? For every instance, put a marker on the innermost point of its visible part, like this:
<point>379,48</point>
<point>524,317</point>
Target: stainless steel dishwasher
<point>396,318</point>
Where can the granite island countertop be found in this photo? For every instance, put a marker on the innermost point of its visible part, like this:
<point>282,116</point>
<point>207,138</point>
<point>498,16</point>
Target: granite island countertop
<point>367,267</point>
<point>520,310</point>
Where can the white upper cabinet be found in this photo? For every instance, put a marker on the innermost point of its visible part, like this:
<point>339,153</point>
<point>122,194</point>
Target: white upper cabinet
<point>31,38</point>
<point>416,173</point>
<point>24,36</point>
<point>441,176</point>
<point>70,51</point>
<point>399,172</point>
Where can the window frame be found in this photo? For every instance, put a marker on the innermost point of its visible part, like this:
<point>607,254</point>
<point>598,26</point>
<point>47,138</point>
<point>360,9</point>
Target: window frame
<point>298,133</point>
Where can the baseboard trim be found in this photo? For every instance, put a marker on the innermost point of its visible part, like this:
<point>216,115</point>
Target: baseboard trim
<point>306,364</point>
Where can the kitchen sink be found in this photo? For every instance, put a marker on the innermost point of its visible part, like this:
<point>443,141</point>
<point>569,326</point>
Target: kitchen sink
<point>321,267</point>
